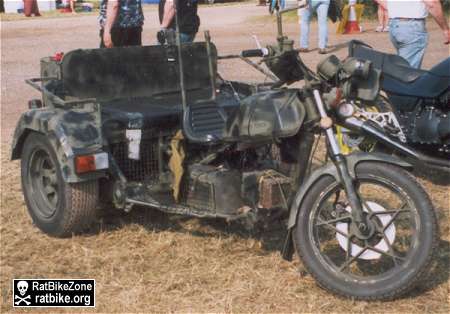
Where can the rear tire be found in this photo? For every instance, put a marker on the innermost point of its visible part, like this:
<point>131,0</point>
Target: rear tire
<point>58,208</point>
<point>376,281</point>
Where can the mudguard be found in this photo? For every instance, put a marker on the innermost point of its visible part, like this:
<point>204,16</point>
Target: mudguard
<point>330,170</point>
<point>72,132</point>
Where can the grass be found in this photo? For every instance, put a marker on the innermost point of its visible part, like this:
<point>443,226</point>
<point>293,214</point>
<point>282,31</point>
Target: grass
<point>146,261</point>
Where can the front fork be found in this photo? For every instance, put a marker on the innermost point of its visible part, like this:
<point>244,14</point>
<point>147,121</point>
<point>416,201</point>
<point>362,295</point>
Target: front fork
<point>341,164</point>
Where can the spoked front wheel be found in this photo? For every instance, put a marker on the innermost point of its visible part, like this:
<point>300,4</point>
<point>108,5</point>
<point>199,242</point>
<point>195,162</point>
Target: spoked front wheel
<point>387,257</point>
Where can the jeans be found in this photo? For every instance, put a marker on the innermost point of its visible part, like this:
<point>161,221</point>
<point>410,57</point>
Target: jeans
<point>321,7</point>
<point>187,38</point>
<point>410,38</point>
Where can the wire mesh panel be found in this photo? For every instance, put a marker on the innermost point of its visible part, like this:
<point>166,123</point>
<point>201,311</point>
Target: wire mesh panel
<point>145,169</point>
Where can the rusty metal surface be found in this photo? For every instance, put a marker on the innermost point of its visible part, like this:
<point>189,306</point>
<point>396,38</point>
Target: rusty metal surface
<point>274,190</point>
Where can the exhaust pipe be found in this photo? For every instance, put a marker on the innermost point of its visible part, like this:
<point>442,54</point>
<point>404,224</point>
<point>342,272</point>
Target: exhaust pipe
<point>373,131</point>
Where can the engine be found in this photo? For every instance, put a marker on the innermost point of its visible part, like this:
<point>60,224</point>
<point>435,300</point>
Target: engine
<point>224,181</point>
<point>237,181</point>
<point>428,124</point>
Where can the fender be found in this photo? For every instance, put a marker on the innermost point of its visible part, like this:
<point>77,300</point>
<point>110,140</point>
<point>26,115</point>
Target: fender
<point>71,131</point>
<point>330,170</point>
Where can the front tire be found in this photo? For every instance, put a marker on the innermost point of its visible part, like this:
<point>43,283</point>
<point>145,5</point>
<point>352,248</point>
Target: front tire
<point>394,255</point>
<point>58,208</point>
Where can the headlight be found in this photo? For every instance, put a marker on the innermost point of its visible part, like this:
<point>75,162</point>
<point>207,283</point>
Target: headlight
<point>329,68</point>
<point>357,68</point>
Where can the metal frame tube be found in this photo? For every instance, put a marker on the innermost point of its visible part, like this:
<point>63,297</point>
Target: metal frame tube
<point>180,58</point>
<point>211,66</point>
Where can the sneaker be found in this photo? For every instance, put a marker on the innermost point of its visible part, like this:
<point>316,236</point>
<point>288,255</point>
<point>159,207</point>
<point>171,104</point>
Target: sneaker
<point>323,51</point>
<point>379,29</point>
<point>386,29</point>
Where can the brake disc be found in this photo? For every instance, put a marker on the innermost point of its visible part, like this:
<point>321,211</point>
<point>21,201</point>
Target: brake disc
<point>382,246</point>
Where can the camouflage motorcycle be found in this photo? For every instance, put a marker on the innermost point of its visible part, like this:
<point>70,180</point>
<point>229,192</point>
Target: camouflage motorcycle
<point>156,126</point>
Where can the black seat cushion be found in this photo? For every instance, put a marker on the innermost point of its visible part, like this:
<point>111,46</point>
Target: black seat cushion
<point>426,86</point>
<point>135,71</point>
<point>401,79</point>
<point>442,69</point>
<point>390,64</point>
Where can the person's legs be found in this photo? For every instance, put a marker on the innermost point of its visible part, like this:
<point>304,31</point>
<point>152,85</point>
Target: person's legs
<point>385,20</point>
<point>102,43</point>
<point>27,8</point>
<point>322,17</point>
<point>72,6</point>
<point>35,9</point>
<point>118,36</point>
<point>410,38</point>
<point>304,26</point>
<point>187,38</point>
<point>381,19</point>
<point>133,36</point>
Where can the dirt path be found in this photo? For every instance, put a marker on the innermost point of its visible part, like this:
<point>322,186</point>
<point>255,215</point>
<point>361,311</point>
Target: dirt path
<point>149,262</point>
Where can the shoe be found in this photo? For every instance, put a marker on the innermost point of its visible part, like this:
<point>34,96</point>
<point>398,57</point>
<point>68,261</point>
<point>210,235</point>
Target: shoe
<point>379,29</point>
<point>386,29</point>
<point>323,51</point>
<point>304,50</point>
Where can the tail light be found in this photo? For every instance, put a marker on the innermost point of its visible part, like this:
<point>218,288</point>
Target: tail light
<point>89,163</point>
<point>58,56</point>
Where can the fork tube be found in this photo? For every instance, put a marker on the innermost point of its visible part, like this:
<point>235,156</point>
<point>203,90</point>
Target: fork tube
<point>329,132</point>
<point>341,165</point>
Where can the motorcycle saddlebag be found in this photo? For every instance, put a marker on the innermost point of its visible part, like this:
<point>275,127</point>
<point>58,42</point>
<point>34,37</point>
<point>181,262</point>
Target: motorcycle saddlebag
<point>268,115</point>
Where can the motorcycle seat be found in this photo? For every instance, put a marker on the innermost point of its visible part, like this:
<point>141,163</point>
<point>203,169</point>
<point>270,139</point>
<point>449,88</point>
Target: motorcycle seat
<point>390,64</point>
<point>401,79</point>
<point>165,113</point>
<point>442,69</point>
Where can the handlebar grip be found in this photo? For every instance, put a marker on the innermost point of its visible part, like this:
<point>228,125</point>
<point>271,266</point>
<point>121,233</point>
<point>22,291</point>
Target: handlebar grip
<point>252,53</point>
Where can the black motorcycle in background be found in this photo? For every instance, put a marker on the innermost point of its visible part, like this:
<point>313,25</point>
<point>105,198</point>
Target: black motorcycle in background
<point>415,109</point>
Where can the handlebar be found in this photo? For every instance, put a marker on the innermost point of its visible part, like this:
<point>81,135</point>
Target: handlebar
<point>252,53</point>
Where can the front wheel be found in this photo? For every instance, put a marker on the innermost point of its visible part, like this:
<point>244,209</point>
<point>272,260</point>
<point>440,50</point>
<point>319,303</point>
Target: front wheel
<point>393,252</point>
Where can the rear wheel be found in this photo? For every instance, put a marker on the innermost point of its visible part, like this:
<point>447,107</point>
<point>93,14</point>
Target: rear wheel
<point>56,207</point>
<point>392,254</point>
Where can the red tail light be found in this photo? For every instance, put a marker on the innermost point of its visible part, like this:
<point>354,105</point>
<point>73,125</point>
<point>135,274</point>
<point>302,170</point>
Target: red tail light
<point>58,56</point>
<point>88,163</point>
<point>85,164</point>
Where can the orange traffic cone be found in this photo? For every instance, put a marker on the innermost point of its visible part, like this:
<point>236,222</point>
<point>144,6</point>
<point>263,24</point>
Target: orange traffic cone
<point>352,24</point>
